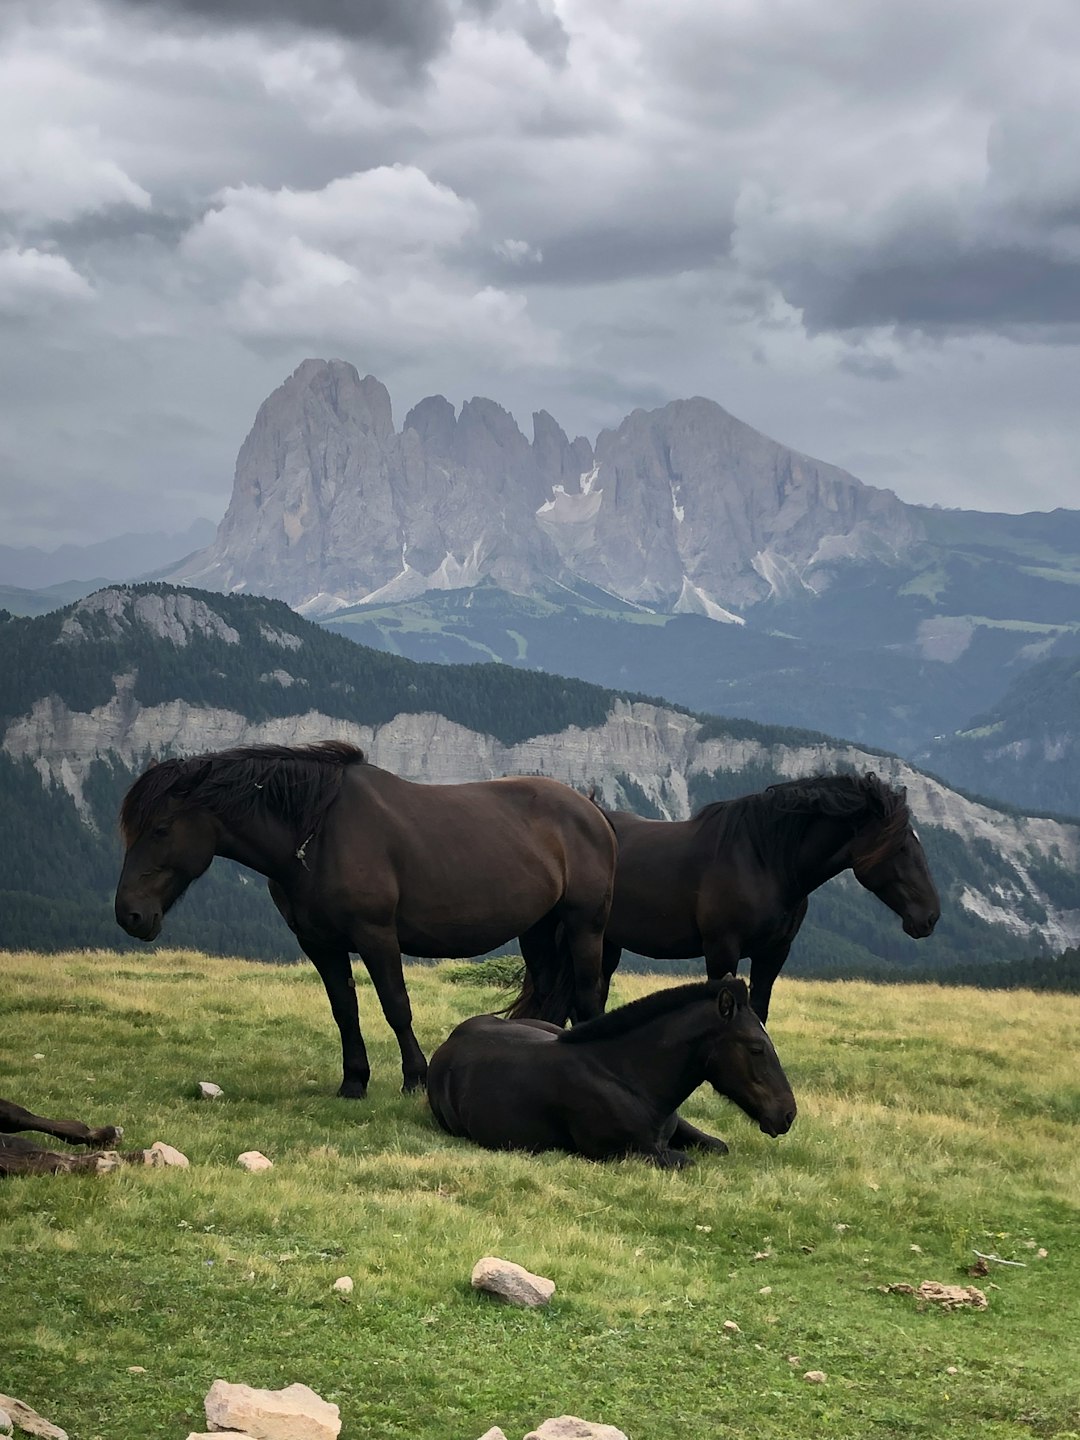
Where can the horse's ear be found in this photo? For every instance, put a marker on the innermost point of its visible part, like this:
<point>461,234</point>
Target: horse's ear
<point>726,1000</point>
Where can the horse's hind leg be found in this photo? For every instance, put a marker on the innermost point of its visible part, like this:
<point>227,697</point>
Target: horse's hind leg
<point>382,956</point>
<point>335,969</point>
<point>23,1157</point>
<point>13,1117</point>
<point>612,956</point>
<point>583,939</point>
<point>546,995</point>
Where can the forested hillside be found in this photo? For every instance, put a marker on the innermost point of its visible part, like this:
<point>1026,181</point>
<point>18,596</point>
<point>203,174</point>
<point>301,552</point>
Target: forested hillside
<point>97,689</point>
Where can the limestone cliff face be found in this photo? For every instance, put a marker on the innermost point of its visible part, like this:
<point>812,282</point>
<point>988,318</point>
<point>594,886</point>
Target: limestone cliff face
<point>683,508</point>
<point>655,747</point>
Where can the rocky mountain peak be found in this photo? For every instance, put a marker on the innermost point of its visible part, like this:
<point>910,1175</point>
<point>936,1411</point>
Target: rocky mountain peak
<point>680,508</point>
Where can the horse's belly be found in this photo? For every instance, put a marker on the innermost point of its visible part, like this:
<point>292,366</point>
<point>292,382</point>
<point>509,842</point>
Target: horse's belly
<point>442,935</point>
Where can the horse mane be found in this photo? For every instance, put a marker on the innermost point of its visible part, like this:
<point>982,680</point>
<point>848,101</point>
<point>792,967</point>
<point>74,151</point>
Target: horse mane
<point>862,799</point>
<point>295,783</point>
<point>649,1007</point>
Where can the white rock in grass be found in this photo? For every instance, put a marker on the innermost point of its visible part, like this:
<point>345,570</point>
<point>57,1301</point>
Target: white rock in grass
<point>28,1419</point>
<point>216,1434</point>
<point>510,1282</point>
<point>493,1434</point>
<point>5,1425</point>
<point>209,1091</point>
<point>254,1160</point>
<point>162,1154</point>
<point>815,1377</point>
<point>569,1427</point>
<point>295,1413</point>
<point>344,1284</point>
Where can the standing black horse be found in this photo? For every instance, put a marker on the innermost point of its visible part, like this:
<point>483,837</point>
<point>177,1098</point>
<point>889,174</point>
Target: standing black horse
<point>611,1086</point>
<point>362,861</point>
<point>732,882</point>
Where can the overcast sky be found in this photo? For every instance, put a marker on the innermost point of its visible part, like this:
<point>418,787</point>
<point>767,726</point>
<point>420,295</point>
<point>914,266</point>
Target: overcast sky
<point>854,223</point>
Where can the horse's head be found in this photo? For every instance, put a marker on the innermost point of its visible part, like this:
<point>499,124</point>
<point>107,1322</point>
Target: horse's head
<point>888,859</point>
<point>744,1066</point>
<point>170,842</point>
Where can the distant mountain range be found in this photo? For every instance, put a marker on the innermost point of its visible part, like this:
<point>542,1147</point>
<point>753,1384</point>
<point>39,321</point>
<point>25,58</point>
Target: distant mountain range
<point>94,690</point>
<point>681,554</point>
<point>30,571</point>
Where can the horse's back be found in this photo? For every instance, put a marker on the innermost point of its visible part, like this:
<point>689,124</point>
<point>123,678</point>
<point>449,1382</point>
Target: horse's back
<point>487,1074</point>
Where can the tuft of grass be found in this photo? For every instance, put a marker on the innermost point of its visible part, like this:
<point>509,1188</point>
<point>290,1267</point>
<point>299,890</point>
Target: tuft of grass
<point>497,972</point>
<point>931,1122</point>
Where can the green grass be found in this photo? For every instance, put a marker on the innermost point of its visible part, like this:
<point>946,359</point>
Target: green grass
<point>928,1117</point>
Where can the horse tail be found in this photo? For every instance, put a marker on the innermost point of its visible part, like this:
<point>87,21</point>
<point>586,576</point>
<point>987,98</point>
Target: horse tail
<point>549,960</point>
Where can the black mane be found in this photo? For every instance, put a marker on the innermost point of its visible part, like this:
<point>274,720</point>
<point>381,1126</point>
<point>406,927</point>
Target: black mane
<point>862,799</point>
<point>649,1007</point>
<point>295,783</point>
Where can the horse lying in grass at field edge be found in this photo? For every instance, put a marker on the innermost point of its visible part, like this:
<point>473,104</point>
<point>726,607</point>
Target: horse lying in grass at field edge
<point>732,882</point>
<point>359,860</point>
<point>24,1157</point>
<point>611,1086</point>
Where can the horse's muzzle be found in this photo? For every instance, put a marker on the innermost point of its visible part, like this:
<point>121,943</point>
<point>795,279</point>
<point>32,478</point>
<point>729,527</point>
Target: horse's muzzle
<point>919,927</point>
<point>778,1123</point>
<point>140,924</point>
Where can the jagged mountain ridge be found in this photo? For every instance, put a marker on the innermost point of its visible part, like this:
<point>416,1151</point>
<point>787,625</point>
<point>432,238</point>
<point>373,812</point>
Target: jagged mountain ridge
<point>684,509</point>
<point>134,672</point>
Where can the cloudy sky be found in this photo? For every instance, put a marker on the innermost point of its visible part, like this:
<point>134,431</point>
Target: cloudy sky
<point>854,223</point>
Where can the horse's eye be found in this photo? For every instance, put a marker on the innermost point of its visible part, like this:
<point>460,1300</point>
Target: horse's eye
<point>159,832</point>
<point>757,1049</point>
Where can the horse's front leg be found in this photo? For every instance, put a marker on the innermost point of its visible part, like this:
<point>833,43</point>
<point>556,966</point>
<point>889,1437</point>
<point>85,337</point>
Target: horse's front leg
<point>766,962</point>
<point>335,970</point>
<point>680,1134</point>
<point>721,956</point>
<point>381,953</point>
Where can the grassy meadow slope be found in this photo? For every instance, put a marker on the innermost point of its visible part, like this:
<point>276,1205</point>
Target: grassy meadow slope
<point>929,1118</point>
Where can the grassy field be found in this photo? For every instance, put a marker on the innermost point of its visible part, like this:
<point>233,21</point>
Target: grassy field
<point>931,1122</point>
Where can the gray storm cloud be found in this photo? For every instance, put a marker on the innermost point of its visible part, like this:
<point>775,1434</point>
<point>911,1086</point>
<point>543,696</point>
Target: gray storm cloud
<point>576,205</point>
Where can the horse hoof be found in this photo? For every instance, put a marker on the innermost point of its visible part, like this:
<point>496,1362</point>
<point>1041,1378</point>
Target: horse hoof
<point>412,1083</point>
<point>353,1090</point>
<point>107,1135</point>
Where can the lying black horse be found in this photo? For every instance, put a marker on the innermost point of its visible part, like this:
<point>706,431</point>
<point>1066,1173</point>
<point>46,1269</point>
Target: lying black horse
<point>732,881</point>
<point>24,1157</point>
<point>361,860</point>
<point>611,1086</point>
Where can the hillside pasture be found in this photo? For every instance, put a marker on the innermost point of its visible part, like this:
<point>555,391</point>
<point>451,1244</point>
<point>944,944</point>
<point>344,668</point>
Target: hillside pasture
<point>932,1122</point>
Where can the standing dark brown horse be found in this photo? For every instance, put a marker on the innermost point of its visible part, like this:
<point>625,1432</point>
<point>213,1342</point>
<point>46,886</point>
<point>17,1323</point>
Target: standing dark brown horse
<point>732,882</point>
<point>362,861</point>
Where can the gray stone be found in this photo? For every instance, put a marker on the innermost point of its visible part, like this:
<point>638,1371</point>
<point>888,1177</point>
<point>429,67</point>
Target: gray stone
<point>162,1154</point>
<point>26,1418</point>
<point>570,1427</point>
<point>510,1282</point>
<point>209,1091</point>
<point>254,1160</point>
<point>295,1413</point>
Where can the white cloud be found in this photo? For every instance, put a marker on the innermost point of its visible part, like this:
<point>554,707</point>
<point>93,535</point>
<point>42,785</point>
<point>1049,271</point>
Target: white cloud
<point>59,173</point>
<point>368,260</point>
<point>31,280</point>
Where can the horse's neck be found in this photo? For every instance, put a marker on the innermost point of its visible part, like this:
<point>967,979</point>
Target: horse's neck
<point>663,1059</point>
<point>264,845</point>
<point>823,851</point>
